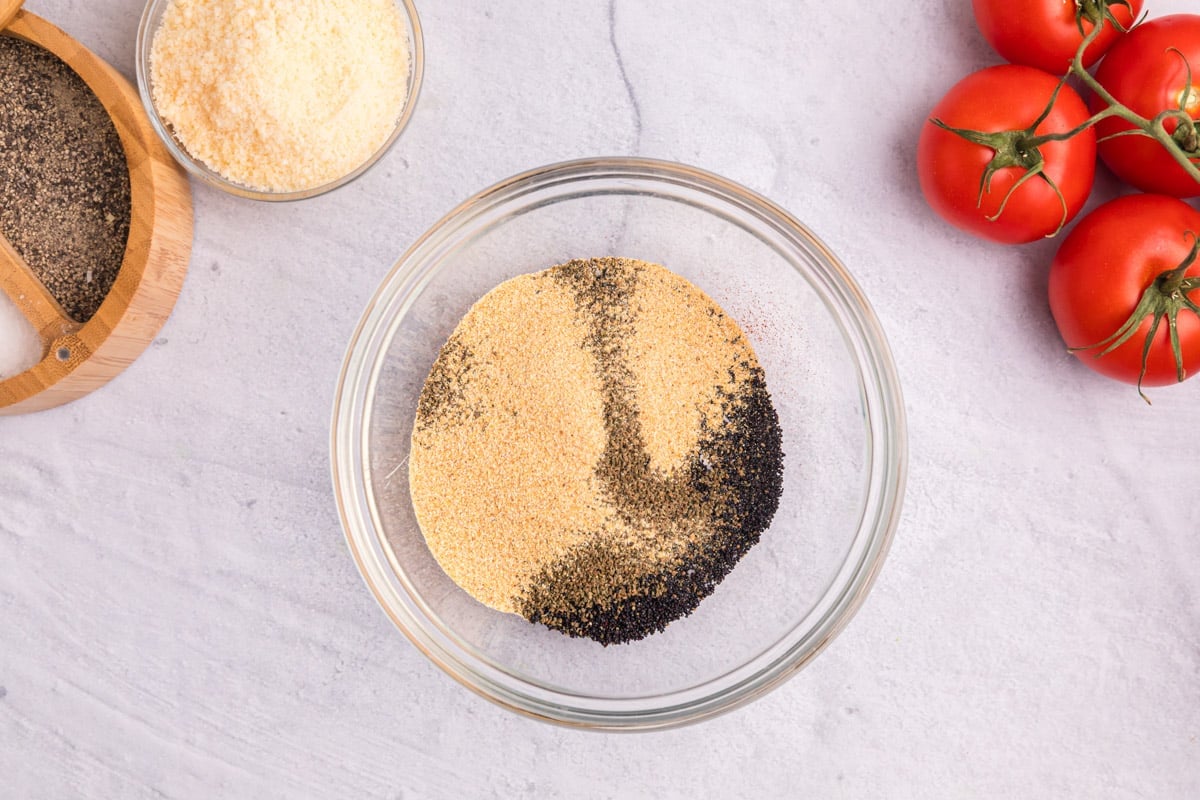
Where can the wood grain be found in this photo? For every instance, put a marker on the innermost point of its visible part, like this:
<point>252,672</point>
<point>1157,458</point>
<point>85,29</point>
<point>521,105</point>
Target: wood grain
<point>81,358</point>
<point>31,297</point>
<point>8,10</point>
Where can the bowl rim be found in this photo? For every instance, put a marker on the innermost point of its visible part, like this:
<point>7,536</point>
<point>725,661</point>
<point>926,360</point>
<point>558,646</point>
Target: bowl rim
<point>196,168</point>
<point>882,497</point>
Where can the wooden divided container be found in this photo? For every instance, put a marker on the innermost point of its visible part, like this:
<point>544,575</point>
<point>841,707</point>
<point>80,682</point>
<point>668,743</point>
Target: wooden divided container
<point>79,357</point>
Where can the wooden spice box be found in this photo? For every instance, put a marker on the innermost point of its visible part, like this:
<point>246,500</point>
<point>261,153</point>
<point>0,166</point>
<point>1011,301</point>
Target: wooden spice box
<point>79,358</point>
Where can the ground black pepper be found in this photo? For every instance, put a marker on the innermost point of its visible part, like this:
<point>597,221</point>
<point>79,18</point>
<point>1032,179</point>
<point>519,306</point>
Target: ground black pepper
<point>443,394</point>
<point>64,182</point>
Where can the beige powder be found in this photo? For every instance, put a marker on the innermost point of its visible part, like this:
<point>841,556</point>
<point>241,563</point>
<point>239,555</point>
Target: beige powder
<point>531,430</point>
<point>671,358</point>
<point>281,95</point>
<point>516,450</point>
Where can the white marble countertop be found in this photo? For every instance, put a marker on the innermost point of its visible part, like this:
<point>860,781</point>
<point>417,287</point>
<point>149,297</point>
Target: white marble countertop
<point>179,616</point>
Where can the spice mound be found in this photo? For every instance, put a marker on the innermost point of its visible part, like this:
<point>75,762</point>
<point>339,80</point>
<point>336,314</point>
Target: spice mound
<point>281,95</point>
<point>595,449</point>
<point>64,181</point>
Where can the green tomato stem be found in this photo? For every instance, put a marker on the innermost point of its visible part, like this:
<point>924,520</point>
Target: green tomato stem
<point>1164,298</point>
<point>1103,113</point>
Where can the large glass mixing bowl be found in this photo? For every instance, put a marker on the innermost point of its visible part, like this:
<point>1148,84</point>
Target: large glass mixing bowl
<point>827,366</point>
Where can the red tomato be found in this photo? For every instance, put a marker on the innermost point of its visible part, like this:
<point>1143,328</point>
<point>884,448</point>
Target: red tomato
<point>996,99</point>
<point>1141,72</point>
<point>1043,33</point>
<point>1103,268</point>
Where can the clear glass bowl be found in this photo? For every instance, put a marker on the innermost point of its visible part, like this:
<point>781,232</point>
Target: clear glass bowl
<point>152,19</point>
<point>827,366</point>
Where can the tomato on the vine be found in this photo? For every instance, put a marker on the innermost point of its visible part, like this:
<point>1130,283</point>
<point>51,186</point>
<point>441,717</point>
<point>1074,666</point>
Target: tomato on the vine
<point>1045,33</point>
<point>1007,184</point>
<point>1148,71</point>
<point>1118,277</point>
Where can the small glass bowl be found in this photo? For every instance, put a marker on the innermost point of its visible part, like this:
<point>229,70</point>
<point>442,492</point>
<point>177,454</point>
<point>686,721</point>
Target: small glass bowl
<point>827,366</point>
<point>152,19</point>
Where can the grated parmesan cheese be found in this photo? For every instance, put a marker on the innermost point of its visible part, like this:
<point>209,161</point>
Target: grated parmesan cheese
<point>281,95</point>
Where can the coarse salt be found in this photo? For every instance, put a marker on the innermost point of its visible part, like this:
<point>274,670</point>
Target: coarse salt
<point>20,347</point>
<point>281,95</point>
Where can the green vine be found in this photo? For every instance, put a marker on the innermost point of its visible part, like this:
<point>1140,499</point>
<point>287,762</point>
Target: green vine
<point>1184,143</point>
